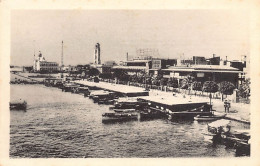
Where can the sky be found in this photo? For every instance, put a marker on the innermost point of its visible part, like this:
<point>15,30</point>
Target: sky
<point>172,32</point>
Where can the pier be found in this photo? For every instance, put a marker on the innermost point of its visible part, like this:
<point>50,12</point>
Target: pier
<point>124,90</point>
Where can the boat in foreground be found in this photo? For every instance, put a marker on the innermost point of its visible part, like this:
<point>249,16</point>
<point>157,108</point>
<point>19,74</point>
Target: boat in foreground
<point>240,140</point>
<point>216,130</point>
<point>214,116</point>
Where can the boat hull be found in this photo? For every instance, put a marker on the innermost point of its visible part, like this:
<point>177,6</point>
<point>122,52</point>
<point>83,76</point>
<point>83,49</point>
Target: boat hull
<point>115,117</point>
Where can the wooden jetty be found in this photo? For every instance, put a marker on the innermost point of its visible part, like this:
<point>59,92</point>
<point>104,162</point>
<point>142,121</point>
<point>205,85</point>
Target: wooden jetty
<point>119,89</point>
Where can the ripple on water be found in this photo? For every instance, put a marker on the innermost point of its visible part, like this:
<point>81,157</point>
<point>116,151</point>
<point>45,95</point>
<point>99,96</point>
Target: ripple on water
<point>69,125</point>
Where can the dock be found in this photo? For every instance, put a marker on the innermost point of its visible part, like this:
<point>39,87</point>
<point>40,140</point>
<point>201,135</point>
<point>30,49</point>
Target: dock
<point>117,88</point>
<point>175,107</point>
<point>173,103</point>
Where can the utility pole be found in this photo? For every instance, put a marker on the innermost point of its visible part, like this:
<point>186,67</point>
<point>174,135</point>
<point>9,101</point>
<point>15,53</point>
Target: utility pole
<point>61,59</point>
<point>62,53</point>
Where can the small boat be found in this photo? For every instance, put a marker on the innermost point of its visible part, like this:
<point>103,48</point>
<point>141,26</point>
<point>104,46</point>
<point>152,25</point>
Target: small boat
<point>216,130</point>
<point>214,116</point>
<point>18,105</point>
<point>69,87</point>
<point>130,103</point>
<point>106,101</point>
<point>124,110</point>
<point>84,90</point>
<point>119,116</point>
<point>237,136</point>
<point>151,114</point>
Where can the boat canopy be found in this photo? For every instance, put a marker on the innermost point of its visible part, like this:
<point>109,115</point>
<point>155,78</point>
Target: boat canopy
<point>219,123</point>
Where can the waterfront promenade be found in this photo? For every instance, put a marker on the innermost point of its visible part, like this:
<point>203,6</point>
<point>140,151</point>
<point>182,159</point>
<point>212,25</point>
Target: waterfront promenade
<point>238,111</point>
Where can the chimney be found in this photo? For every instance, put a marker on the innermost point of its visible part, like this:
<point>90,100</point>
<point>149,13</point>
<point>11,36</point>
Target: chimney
<point>214,55</point>
<point>127,56</point>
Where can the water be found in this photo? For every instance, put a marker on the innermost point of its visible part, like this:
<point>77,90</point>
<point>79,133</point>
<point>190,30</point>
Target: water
<point>65,125</point>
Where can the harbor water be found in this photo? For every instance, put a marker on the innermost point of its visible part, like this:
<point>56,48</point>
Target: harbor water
<point>64,125</point>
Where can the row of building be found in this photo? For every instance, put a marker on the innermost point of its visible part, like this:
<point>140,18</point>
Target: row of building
<point>201,68</point>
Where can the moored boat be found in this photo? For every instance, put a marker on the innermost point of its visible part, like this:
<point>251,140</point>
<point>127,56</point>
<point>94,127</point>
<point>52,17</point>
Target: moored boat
<point>124,110</point>
<point>18,105</point>
<point>110,117</point>
<point>152,113</point>
<point>214,116</point>
<point>216,130</point>
<point>69,87</point>
<point>129,103</point>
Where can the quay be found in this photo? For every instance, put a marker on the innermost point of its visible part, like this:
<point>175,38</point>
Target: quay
<point>177,107</point>
<point>166,99</point>
<point>127,91</point>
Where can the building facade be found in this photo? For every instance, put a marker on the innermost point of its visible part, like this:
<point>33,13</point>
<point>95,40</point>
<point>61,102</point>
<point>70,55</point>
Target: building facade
<point>204,73</point>
<point>41,65</point>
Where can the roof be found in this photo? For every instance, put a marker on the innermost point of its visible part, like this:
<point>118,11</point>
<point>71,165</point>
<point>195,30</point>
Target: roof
<point>172,100</point>
<point>214,67</point>
<point>137,61</point>
<point>130,67</point>
<point>205,68</point>
<point>47,62</point>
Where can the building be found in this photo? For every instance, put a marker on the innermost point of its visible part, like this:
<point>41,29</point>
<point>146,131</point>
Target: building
<point>41,65</point>
<point>202,73</point>
<point>199,60</point>
<point>214,60</point>
<point>97,59</point>
<point>135,66</point>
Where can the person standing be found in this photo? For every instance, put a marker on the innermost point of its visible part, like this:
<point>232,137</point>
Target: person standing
<point>225,105</point>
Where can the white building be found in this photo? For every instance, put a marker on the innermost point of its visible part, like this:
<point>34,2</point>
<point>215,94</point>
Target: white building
<point>40,64</point>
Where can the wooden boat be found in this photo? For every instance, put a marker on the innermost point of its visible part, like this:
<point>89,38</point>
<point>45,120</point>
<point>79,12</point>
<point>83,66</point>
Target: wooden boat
<point>129,103</point>
<point>83,90</point>
<point>201,110</point>
<point>102,98</point>
<point>152,113</point>
<point>106,101</point>
<point>106,117</point>
<point>124,110</point>
<point>240,140</point>
<point>69,87</point>
<point>96,92</point>
<point>18,105</point>
<point>214,116</point>
<point>216,130</point>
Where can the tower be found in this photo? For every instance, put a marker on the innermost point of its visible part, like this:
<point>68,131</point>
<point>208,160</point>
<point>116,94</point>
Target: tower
<point>97,54</point>
<point>61,54</point>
